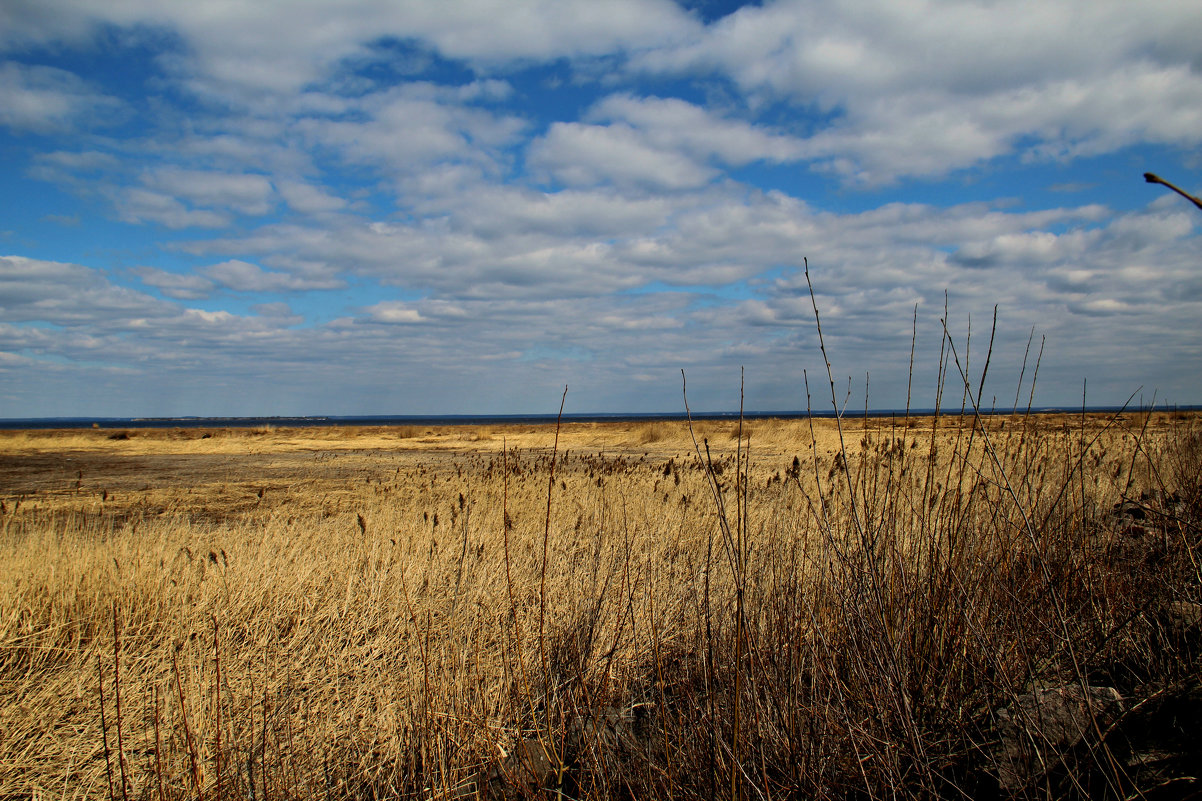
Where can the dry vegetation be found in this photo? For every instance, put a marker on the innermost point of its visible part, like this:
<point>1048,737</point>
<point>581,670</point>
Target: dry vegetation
<point>444,612</point>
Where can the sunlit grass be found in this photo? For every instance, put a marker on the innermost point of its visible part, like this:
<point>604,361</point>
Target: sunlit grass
<point>382,630</point>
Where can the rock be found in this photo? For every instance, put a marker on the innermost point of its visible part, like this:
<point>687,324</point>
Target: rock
<point>1040,728</point>
<point>605,732</point>
<point>1184,615</point>
<point>1130,519</point>
<point>533,766</point>
<point>523,772</point>
<point>1129,511</point>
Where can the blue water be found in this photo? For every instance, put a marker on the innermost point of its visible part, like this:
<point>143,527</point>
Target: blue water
<point>472,419</point>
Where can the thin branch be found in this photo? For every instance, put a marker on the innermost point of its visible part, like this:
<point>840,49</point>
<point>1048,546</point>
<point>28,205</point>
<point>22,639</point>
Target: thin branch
<point>1152,178</point>
<point>855,514</point>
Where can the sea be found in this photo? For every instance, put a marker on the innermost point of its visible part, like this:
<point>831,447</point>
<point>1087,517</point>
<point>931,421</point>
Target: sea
<point>503,419</point>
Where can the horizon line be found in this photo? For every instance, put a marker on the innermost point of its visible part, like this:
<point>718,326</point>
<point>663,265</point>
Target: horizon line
<point>240,421</point>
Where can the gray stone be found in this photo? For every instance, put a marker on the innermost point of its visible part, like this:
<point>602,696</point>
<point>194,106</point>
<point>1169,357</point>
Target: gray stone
<point>528,768</point>
<point>1185,615</point>
<point>1041,727</point>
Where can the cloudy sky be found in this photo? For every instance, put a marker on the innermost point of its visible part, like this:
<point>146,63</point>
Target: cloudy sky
<point>405,207</point>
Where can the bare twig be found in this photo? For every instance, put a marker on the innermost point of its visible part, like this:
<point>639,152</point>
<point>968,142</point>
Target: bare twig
<point>117,693</point>
<point>217,691</point>
<point>855,514</point>
<point>104,728</point>
<point>192,755</point>
<point>158,749</point>
<point>549,744</point>
<point>1152,178</point>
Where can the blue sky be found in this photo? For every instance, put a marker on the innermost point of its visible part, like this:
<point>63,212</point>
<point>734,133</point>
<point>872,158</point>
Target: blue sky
<point>380,207</point>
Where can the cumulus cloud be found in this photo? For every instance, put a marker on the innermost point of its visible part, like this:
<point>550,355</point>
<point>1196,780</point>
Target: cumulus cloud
<point>278,311</point>
<point>1100,307</point>
<point>307,198</point>
<point>654,142</point>
<point>61,162</point>
<point>180,286</point>
<point>577,154</point>
<point>463,347</point>
<point>63,294</point>
<point>492,211</point>
<point>412,126</point>
<point>279,47</point>
<point>144,205</point>
<point>72,319</point>
<point>242,276</point>
<point>867,281</point>
<point>875,264</point>
<point>246,193</point>
<point>921,90</point>
<point>502,198</point>
<point>394,312</point>
<point>674,124</point>
<point>44,99</point>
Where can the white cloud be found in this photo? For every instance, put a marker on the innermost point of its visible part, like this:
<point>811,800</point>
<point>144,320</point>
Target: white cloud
<point>491,211</point>
<point>1027,247</point>
<point>1100,307</point>
<point>278,311</point>
<point>656,143</point>
<point>412,126</point>
<point>915,88</point>
<point>43,99</point>
<point>525,321</point>
<point>394,312</point>
<point>143,205</point>
<point>72,324</point>
<point>510,245</point>
<point>878,47</point>
<point>246,193</point>
<point>307,198</point>
<point>547,29</point>
<point>180,286</point>
<point>576,154</point>
<point>920,88</point>
<point>242,276</point>
<point>82,161</point>
<point>926,133</point>
<point>276,46</point>
<point>205,317</point>
<point>62,294</point>
<point>320,141</point>
<point>674,124</point>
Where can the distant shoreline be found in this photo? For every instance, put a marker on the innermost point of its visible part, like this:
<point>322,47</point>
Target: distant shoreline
<point>520,419</point>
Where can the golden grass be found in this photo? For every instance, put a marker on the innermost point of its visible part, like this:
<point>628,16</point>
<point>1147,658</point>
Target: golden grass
<point>394,611</point>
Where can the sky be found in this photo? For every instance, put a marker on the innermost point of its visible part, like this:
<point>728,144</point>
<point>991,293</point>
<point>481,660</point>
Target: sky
<point>353,207</point>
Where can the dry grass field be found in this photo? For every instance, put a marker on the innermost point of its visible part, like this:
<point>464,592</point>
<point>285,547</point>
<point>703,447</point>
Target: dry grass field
<point>785,611</point>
